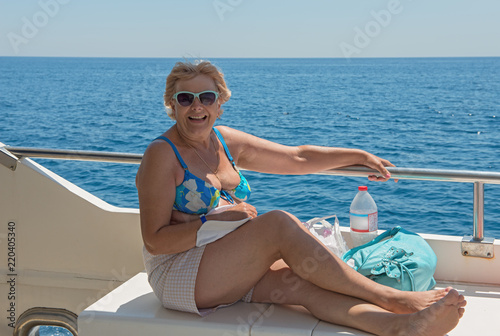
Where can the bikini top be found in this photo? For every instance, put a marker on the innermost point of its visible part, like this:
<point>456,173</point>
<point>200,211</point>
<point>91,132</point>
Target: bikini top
<point>196,196</point>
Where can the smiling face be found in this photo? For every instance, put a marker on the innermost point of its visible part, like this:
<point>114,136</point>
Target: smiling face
<point>195,117</point>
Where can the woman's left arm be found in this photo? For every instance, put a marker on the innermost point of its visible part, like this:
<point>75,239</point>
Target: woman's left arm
<point>264,156</point>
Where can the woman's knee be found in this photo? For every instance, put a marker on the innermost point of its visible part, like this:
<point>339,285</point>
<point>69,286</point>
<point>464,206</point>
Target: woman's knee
<point>287,225</point>
<point>282,215</point>
<point>283,221</point>
<point>273,226</point>
<point>271,222</point>
<point>278,226</point>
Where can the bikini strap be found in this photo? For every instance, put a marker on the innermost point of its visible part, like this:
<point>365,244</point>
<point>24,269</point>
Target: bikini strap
<point>224,145</point>
<point>183,164</point>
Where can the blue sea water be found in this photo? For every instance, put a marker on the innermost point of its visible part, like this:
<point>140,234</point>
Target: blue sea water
<point>417,112</point>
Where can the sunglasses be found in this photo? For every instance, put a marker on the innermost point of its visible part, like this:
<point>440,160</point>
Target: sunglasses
<point>186,98</point>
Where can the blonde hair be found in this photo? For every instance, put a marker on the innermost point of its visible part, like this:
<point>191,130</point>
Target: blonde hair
<point>187,70</point>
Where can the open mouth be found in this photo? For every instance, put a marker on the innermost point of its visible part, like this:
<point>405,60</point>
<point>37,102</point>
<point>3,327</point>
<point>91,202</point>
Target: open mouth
<point>201,117</point>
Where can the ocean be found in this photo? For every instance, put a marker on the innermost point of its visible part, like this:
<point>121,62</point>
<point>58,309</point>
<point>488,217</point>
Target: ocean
<point>438,113</point>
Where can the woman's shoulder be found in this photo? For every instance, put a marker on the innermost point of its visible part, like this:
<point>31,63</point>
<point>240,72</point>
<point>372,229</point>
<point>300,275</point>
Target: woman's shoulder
<point>232,135</point>
<point>241,145</point>
<point>223,130</point>
<point>159,147</point>
<point>161,153</point>
<point>159,162</point>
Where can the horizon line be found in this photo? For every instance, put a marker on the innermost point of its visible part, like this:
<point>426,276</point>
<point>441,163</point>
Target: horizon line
<point>240,57</point>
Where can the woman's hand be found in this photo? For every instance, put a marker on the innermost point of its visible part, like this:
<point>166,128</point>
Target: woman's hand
<point>239,211</point>
<point>379,164</point>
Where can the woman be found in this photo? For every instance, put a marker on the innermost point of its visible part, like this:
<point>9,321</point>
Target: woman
<point>191,169</point>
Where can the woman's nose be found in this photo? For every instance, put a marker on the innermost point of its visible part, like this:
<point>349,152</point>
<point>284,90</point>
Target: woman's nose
<point>196,103</point>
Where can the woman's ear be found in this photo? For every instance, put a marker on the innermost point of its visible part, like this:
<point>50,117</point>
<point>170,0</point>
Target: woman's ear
<point>172,110</point>
<point>219,113</point>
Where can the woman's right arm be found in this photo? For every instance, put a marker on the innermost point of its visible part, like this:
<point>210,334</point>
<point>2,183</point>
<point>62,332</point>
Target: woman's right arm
<point>156,183</point>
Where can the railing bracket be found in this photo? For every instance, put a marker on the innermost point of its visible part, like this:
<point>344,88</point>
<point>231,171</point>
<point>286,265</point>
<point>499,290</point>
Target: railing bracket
<point>477,248</point>
<point>8,159</point>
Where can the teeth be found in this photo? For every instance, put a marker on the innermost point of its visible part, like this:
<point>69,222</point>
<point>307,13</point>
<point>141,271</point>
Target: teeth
<point>197,117</point>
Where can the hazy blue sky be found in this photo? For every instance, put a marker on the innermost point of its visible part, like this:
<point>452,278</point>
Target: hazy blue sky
<point>250,28</point>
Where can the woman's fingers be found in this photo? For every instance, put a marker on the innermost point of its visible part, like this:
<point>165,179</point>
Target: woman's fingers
<point>380,165</point>
<point>240,211</point>
<point>249,209</point>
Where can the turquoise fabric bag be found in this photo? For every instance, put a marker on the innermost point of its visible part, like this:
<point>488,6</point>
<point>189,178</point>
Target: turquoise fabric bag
<point>397,258</point>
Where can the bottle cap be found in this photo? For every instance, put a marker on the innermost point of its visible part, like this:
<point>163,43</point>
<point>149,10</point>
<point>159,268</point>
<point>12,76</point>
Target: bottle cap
<point>362,188</point>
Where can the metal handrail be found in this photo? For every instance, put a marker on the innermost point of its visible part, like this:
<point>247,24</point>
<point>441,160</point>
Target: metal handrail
<point>476,177</point>
<point>66,154</point>
<point>443,175</point>
<point>396,172</point>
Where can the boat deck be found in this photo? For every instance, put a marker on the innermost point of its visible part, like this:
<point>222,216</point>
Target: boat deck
<point>134,309</point>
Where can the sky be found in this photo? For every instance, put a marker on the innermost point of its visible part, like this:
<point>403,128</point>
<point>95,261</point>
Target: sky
<point>250,28</point>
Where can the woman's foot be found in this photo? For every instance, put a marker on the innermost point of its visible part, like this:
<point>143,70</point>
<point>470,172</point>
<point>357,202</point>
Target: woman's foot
<point>436,320</point>
<point>403,302</point>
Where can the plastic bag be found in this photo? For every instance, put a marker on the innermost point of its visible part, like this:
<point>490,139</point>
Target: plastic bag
<point>328,234</point>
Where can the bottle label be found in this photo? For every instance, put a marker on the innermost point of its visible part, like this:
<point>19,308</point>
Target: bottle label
<point>364,223</point>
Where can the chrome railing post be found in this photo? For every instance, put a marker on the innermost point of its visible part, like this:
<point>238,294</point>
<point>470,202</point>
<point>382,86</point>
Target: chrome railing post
<point>478,233</point>
<point>478,245</point>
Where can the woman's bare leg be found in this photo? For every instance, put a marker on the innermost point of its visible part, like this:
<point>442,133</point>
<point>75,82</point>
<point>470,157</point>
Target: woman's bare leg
<point>281,285</point>
<point>233,264</point>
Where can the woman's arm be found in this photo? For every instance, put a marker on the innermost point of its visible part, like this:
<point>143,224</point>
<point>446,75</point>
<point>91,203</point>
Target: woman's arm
<point>261,155</point>
<point>156,182</point>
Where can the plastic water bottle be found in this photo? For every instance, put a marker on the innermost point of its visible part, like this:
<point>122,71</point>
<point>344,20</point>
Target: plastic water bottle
<point>364,217</point>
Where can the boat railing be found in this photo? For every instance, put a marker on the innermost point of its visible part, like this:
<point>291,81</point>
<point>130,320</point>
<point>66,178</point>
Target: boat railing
<point>475,245</point>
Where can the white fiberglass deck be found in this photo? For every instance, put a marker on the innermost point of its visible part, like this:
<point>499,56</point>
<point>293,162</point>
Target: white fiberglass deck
<point>133,309</point>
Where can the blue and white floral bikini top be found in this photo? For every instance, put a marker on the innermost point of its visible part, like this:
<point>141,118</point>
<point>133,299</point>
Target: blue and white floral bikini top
<point>196,196</point>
